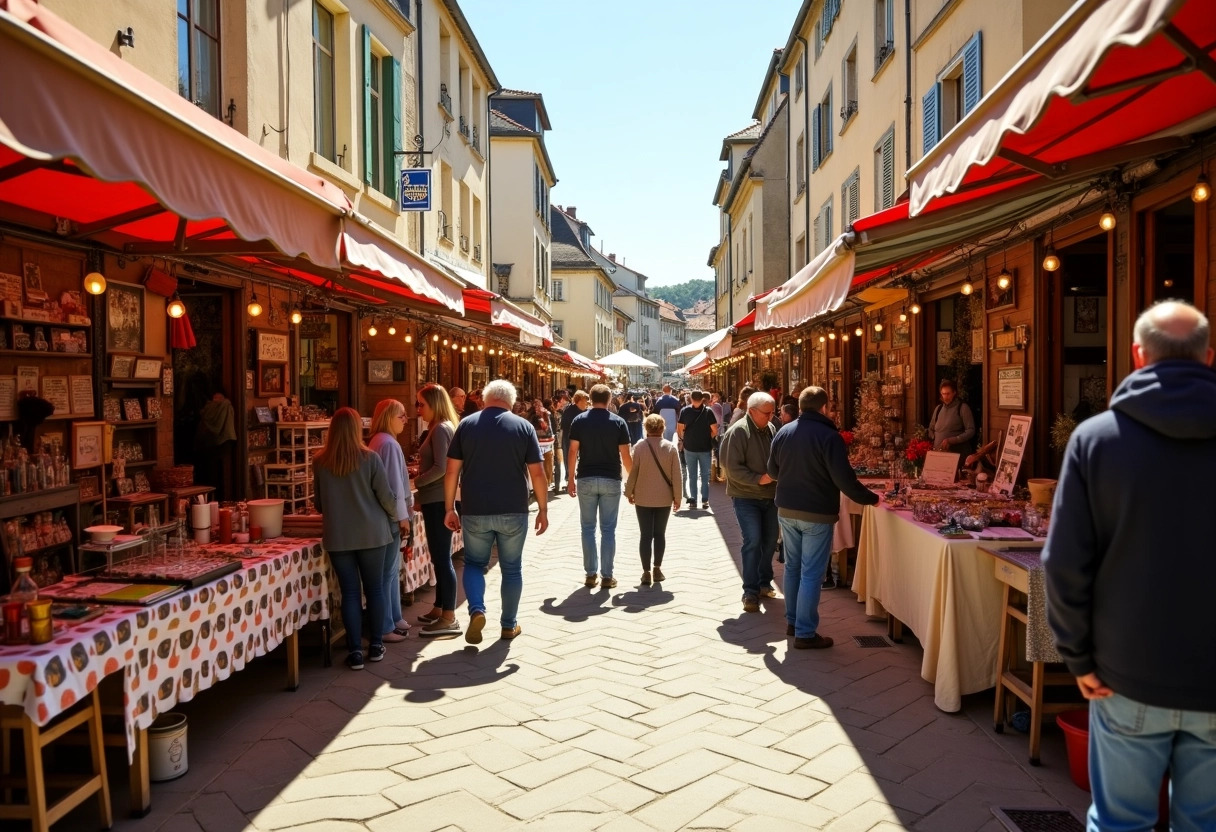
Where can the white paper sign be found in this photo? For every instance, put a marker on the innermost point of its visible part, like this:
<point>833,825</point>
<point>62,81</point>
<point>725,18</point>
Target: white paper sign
<point>1017,437</point>
<point>941,468</point>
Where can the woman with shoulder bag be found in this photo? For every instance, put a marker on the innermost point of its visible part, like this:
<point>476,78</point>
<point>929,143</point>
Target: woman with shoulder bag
<point>652,486</point>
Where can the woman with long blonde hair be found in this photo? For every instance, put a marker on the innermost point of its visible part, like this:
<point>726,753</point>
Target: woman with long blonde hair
<point>388,420</point>
<point>358,515</point>
<point>436,408</point>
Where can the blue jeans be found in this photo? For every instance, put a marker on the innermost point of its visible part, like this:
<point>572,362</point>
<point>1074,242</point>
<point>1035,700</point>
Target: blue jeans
<point>807,547</point>
<point>391,581</point>
<point>698,463</point>
<point>1131,746</point>
<point>602,496</point>
<point>360,572</point>
<point>758,525</point>
<point>439,542</point>
<point>481,533</point>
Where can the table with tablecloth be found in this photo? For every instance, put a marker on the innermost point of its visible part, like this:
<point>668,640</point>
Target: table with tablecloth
<point>945,590</point>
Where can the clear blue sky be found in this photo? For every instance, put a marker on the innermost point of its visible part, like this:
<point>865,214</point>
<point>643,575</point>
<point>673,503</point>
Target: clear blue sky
<point>640,94</point>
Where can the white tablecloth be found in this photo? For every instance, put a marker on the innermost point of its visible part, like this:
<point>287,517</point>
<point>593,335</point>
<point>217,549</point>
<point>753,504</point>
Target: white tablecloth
<point>946,591</point>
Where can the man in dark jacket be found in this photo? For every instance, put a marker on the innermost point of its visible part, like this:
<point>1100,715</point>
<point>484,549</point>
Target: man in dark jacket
<point>745,449</point>
<point>1144,650</point>
<point>810,463</point>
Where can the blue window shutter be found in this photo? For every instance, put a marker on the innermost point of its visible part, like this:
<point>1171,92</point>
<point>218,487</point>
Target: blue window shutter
<point>365,63</point>
<point>827,118</point>
<point>815,139</point>
<point>930,118</point>
<point>390,72</point>
<point>890,9</point>
<point>973,87</point>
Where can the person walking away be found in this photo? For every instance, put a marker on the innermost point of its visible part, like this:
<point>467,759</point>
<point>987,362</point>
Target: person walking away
<point>579,402</point>
<point>1143,651</point>
<point>358,515</point>
<point>441,418</point>
<point>717,403</point>
<point>599,446</point>
<point>542,423</point>
<point>745,450</point>
<point>633,414</point>
<point>388,420</point>
<point>952,424</point>
<point>668,406</point>
<point>698,428</point>
<point>741,406</point>
<point>810,463</point>
<point>651,488</point>
<point>495,451</point>
<point>559,446</point>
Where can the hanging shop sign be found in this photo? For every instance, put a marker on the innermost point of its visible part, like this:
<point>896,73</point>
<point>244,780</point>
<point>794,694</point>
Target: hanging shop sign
<point>415,189</point>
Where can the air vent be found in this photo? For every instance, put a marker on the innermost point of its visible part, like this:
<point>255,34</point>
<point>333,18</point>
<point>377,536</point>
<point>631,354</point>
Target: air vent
<point>1038,820</point>
<point>872,641</point>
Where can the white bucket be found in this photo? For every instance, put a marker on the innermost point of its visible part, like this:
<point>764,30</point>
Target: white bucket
<point>167,758</point>
<point>268,515</point>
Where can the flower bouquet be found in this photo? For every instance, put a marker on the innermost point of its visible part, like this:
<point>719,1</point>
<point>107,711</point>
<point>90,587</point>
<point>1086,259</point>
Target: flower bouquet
<point>914,456</point>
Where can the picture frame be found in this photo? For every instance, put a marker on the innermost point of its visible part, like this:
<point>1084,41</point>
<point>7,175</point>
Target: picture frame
<point>379,371</point>
<point>873,362</point>
<point>132,411</point>
<point>944,349</point>
<point>55,390</point>
<point>1092,390</point>
<point>327,378</point>
<point>273,346</point>
<point>834,365</point>
<point>152,408</point>
<point>996,297</point>
<point>1011,387</point>
<point>8,398</point>
<point>88,444</point>
<point>34,293</point>
<point>901,335</point>
<point>122,366</point>
<point>124,317</point>
<point>27,379</point>
<point>88,487</point>
<point>148,368</point>
<point>264,415</point>
<point>1085,316</point>
<point>111,408</point>
<point>271,378</point>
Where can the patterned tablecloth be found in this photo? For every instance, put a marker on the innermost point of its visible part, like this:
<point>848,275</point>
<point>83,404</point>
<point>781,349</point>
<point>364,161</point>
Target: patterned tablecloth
<point>170,651</point>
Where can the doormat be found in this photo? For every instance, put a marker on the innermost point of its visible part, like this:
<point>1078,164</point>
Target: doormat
<point>872,641</point>
<point>1038,820</point>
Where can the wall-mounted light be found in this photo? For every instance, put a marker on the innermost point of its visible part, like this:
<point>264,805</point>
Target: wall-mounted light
<point>1202,190</point>
<point>832,335</point>
<point>176,308</point>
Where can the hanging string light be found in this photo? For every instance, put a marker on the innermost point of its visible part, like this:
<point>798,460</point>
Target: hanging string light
<point>371,330</point>
<point>95,281</point>
<point>1202,190</point>
<point>409,339</point>
<point>903,315</point>
<point>915,307</point>
<point>859,331</point>
<point>392,328</point>
<point>1051,261</point>
<point>255,307</point>
<point>176,308</point>
<point>1107,221</point>
<point>297,314</point>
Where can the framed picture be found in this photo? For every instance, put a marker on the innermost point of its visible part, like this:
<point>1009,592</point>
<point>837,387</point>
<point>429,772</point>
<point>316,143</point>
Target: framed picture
<point>379,371</point>
<point>34,293</point>
<point>1011,388</point>
<point>272,378</point>
<point>131,410</point>
<point>152,408</point>
<point>122,366</point>
<point>1085,316</point>
<point>273,346</point>
<point>1093,392</point>
<point>124,317</point>
<point>873,363</point>
<point>8,398</point>
<point>901,335</point>
<point>111,408</point>
<point>124,486</point>
<point>88,444</point>
<point>977,346</point>
<point>88,487</point>
<point>55,391</point>
<point>943,347</point>
<point>834,365</point>
<point>141,481</point>
<point>327,378</point>
<point>147,367</point>
<point>27,379</point>
<point>264,415</point>
<point>998,298</point>
<point>81,389</point>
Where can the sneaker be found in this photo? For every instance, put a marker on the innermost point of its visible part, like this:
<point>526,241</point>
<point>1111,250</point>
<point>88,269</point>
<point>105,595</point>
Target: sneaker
<point>645,579</point>
<point>477,623</point>
<point>768,592</point>
<point>658,574</point>
<point>815,642</point>
<point>428,618</point>
<point>440,627</point>
<point>751,603</point>
<point>394,636</point>
<point>705,506</point>
<point>355,660</point>
<point>591,580</point>
<point>375,652</point>
<point>607,583</point>
<point>507,635</point>
<point>828,583</point>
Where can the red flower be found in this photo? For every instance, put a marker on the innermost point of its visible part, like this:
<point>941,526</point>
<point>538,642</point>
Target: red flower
<point>917,449</point>
<point>847,436</point>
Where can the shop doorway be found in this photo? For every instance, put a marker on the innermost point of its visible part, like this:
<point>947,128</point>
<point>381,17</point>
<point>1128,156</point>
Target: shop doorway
<point>1169,244</point>
<point>951,326</point>
<point>1080,317</point>
<point>324,373</point>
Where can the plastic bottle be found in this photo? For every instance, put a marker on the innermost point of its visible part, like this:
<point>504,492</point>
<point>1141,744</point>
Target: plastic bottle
<point>24,591</point>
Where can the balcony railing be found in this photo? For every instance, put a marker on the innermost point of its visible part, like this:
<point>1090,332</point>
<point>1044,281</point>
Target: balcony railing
<point>464,242</point>
<point>464,127</point>
<point>477,252</point>
<point>445,230</point>
<point>476,141</point>
<point>445,99</point>
<point>847,111</point>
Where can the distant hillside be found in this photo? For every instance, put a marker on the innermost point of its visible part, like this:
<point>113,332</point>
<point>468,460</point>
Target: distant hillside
<point>685,295</point>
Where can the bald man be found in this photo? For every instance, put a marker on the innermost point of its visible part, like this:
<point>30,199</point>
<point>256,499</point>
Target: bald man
<point>1130,569</point>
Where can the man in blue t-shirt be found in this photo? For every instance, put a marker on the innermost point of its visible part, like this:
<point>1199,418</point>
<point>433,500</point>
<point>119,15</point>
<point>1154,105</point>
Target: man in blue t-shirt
<point>495,451</point>
<point>668,406</point>
<point>697,427</point>
<point>599,448</point>
<point>632,413</point>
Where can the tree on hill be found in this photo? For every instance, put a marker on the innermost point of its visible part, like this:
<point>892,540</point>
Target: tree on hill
<point>685,294</point>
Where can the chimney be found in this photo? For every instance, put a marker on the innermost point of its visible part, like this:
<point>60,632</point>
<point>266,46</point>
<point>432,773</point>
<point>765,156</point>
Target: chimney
<point>612,258</point>
<point>572,212</point>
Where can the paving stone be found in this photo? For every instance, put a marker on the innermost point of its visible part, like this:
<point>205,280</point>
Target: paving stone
<point>361,807</point>
<point>793,785</point>
<point>716,818</point>
<point>681,771</point>
<point>537,773</point>
<point>556,793</point>
<point>439,812</point>
<point>868,816</point>
<point>834,764</point>
<point>680,807</point>
<point>185,822</point>
<point>849,792</point>
<point>217,813</point>
<point>432,764</point>
<point>625,796</point>
<point>682,707</point>
<point>341,784</point>
<point>617,725</point>
<point>560,730</point>
<point>774,806</point>
<point>763,822</point>
<point>469,778</point>
<point>624,823</point>
<point>607,744</point>
<point>495,756</point>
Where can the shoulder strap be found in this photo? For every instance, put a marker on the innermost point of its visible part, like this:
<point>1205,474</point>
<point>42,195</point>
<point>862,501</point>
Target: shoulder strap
<point>658,464</point>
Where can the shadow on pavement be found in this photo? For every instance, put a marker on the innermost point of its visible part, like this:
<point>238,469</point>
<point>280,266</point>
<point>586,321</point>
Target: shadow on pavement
<point>430,679</point>
<point>643,598</point>
<point>580,605</point>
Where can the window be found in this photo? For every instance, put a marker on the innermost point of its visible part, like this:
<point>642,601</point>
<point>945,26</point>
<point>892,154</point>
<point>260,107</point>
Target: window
<point>198,53</point>
<point>751,248</point>
<point>324,128</point>
<point>445,202</point>
<point>466,216</point>
<point>476,229</point>
<point>540,277</point>
<point>800,165</point>
<point>559,289</point>
<point>850,199</point>
<point>799,253</point>
<point>827,16</point>
<point>884,171</point>
<point>381,116</point>
<point>823,226</point>
<point>799,76</point>
<point>848,87</point>
<point>821,130</point>
<point>574,345</point>
<point>559,329</point>
<point>958,89</point>
<point>884,31</point>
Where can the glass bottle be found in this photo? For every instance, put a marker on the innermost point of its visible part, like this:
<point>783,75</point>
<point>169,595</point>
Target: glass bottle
<point>24,591</point>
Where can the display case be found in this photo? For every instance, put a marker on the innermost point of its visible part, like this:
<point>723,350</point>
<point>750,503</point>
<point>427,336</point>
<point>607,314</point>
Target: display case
<point>42,525</point>
<point>289,475</point>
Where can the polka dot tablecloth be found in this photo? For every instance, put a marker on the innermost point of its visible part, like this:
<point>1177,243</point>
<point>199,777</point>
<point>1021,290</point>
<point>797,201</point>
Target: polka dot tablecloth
<point>170,651</point>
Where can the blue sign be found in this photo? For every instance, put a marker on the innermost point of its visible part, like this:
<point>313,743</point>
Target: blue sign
<point>416,189</point>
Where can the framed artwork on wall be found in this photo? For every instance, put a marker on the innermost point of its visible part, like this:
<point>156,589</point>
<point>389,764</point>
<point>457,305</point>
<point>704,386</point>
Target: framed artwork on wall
<point>379,371</point>
<point>327,378</point>
<point>272,378</point>
<point>834,365</point>
<point>1085,316</point>
<point>124,317</point>
<point>901,335</point>
<point>273,346</point>
<point>121,366</point>
<point>147,368</point>
<point>998,298</point>
<point>88,444</point>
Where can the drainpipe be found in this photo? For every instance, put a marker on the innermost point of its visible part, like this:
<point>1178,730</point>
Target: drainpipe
<point>907,84</point>
<point>421,119</point>
<point>488,259</point>
<point>806,145</point>
<point>730,272</point>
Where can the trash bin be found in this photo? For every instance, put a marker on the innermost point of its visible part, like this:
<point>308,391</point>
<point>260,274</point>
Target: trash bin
<point>1075,725</point>
<point>167,759</point>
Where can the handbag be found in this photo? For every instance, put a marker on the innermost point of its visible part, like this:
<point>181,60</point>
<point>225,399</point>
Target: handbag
<point>666,478</point>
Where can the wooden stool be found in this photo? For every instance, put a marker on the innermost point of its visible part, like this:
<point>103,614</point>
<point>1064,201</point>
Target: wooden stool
<point>13,718</point>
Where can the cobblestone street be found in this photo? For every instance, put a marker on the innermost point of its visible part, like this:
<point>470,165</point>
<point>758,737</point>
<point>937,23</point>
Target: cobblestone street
<point>659,707</point>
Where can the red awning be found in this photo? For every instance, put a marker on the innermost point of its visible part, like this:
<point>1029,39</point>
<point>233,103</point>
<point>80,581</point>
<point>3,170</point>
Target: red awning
<point>503,313</point>
<point>86,137</point>
<point>1112,80</point>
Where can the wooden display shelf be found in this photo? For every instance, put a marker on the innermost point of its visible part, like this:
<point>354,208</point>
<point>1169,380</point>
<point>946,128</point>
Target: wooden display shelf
<point>126,382</point>
<point>47,354</point>
<point>140,463</point>
<point>45,323</point>
<point>134,423</point>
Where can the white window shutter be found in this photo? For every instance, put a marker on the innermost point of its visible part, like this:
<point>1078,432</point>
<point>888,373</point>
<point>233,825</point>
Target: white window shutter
<point>930,118</point>
<point>827,116</point>
<point>973,88</point>
<point>888,170</point>
<point>854,200</point>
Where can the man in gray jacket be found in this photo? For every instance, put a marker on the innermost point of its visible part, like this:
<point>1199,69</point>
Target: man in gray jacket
<point>744,454</point>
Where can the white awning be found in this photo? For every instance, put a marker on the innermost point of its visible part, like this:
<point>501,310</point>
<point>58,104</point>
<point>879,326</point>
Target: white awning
<point>821,286</point>
<point>698,363</point>
<point>700,344</point>
<point>367,248</point>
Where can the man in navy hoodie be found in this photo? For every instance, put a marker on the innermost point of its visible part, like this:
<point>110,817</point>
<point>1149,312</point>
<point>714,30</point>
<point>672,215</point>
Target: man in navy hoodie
<point>810,463</point>
<point>1130,567</point>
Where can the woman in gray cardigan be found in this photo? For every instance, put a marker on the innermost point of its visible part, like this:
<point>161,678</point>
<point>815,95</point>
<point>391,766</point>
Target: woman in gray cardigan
<point>358,513</point>
<point>652,486</point>
<point>437,410</point>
